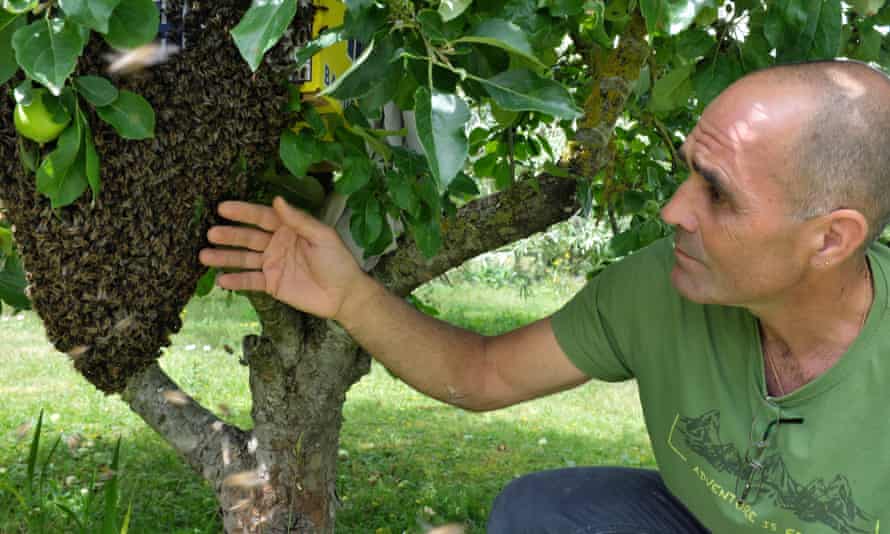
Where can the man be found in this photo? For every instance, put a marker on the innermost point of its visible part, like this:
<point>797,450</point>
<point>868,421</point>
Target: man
<point>755,334</point>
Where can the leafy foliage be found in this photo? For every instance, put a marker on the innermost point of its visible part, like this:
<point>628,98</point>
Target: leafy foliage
<point>486,84</point>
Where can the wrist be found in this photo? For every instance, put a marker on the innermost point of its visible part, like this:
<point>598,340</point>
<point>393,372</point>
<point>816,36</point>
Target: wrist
<point>357,301</point>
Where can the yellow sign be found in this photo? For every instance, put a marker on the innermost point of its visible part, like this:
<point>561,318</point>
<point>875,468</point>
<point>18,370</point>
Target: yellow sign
<point>327,65</point>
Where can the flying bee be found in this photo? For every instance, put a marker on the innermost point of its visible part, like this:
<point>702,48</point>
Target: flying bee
<point>78,351</point>
<point>124,62</point>
<point>244,479</point>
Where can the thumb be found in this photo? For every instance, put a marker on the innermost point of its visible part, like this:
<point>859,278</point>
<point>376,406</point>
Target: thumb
<point>304,224</point>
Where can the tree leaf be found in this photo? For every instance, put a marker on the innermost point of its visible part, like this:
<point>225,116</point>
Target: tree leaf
<point>803,29</point>
<point>206,283</point>
<point>93,14</point>
<point>23,93</point>
<point>366,222</point>
<point>19,6</point>
<point>261,27</point>
<point>363,18</point>
<point>91,158</point>
<point>714,77</point>
<point>356,174</point>
<point>427,231</point>
<point>6,246</point>
<point>756,52</point>
<point>131,115</point>
<point>867,8</point>
<point>47,50</point>
<point>96,90</point>
<point>669,90</point>
<point>694,43</point>
<point>523,90</point>
<point>565,8</point>
<point>325,39</point>
<point>9,23</point>
<point>62,184</point>
<point>441,126</point>
<point>365,73</point>
<point>827,34</point>
<point>503,34</point>
<point>401,192</point>
<point>13,283</point>
<point>463,185</point>
<point>298,151</point>
<point>626,242</point>
<point>451,9</point>
<point>58,178</point>
<point>133,23</point>
<point>380,244</point>
<point>672,16</point>
<point>869,48</point>
<point>68,146</point>
<point>28,155</point>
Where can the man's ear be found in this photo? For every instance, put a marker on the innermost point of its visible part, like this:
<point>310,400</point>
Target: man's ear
<point>841,234</point>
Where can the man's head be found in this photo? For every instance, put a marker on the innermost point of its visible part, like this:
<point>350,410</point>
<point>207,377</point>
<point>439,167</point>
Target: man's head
<point>788,178</point>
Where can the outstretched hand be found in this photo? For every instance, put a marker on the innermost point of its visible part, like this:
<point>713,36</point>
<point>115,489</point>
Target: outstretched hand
<point>287,253</point>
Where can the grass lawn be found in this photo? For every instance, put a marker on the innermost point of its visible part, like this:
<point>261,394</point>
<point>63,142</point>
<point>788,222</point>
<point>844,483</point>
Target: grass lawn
<point>404,458</point>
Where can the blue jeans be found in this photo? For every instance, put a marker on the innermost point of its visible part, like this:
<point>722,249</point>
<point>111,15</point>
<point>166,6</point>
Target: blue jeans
<point>590,500</point>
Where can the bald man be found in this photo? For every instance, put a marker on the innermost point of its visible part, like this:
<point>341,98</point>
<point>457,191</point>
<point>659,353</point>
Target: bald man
<point>757,333</point>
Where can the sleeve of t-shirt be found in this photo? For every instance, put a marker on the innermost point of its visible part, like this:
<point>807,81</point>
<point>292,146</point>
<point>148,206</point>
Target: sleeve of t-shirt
<point>603,328</point>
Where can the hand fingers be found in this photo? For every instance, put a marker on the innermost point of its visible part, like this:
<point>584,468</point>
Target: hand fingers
<point>239,236</point>
<point>305,224</point>
<point>255,214</point>
<point>238,259</point>
<point>248,281</point>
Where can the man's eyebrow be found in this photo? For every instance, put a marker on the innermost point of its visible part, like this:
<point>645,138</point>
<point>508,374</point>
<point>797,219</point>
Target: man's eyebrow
<point>711,176</point>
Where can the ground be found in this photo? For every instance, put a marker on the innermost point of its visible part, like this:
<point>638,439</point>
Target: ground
<point>404,459</point>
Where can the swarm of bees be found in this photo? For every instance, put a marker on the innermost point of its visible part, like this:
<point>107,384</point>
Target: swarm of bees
<point>109,278</point>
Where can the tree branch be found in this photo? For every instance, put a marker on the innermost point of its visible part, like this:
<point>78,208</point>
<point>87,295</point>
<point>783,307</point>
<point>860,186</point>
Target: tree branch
<point>482,225</point>
<point>211,446</point>
<point>616,71</point>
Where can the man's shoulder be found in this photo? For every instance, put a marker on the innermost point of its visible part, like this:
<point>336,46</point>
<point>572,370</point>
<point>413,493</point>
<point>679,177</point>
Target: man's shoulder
<point>639,279</point>
<point>655,259</point>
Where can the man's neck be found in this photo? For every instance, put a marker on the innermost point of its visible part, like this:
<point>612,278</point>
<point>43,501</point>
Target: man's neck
<point>807,331</point>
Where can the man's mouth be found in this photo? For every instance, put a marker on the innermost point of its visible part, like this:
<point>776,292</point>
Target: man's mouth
<point>682,254</point>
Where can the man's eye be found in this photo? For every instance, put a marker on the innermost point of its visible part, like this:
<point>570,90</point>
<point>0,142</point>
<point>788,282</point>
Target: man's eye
<point>714,194</point>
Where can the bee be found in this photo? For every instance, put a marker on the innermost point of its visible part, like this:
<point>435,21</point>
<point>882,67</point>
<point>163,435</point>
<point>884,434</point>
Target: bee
<point>244,479</point>
<point>124,62</point>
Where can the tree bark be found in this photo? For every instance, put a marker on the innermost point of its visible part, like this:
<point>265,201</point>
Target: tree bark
<point>526,208</point>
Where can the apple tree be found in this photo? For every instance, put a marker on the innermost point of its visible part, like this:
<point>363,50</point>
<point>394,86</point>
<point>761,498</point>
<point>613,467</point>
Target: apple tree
<point>109,179</point>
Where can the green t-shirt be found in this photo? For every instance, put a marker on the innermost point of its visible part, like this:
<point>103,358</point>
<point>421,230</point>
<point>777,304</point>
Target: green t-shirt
<point>701,380</point>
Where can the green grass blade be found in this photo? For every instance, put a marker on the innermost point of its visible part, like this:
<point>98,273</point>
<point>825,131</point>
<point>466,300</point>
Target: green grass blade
<point>44,465</point>
<point>18,496</point>
<point>72,516</point>
<point>32,457</point>
<point>126,526</point>
<point>88,500</point>
<point>109,523</point>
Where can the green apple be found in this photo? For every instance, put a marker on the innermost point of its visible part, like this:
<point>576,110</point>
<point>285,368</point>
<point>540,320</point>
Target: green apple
<point>36,122</point>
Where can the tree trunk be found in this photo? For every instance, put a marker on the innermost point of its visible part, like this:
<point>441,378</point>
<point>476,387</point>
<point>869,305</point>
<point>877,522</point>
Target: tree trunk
<point>300,370</point>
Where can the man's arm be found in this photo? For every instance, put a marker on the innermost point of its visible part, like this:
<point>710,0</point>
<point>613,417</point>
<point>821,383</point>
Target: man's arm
<point>454,365</point>
<point>302,262</point>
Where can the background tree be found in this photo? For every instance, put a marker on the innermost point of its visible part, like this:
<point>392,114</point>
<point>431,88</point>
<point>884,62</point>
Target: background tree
<point>109,183</point>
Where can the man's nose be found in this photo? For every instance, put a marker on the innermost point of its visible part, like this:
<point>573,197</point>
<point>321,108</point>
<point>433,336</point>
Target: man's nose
<point>679,209</point>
